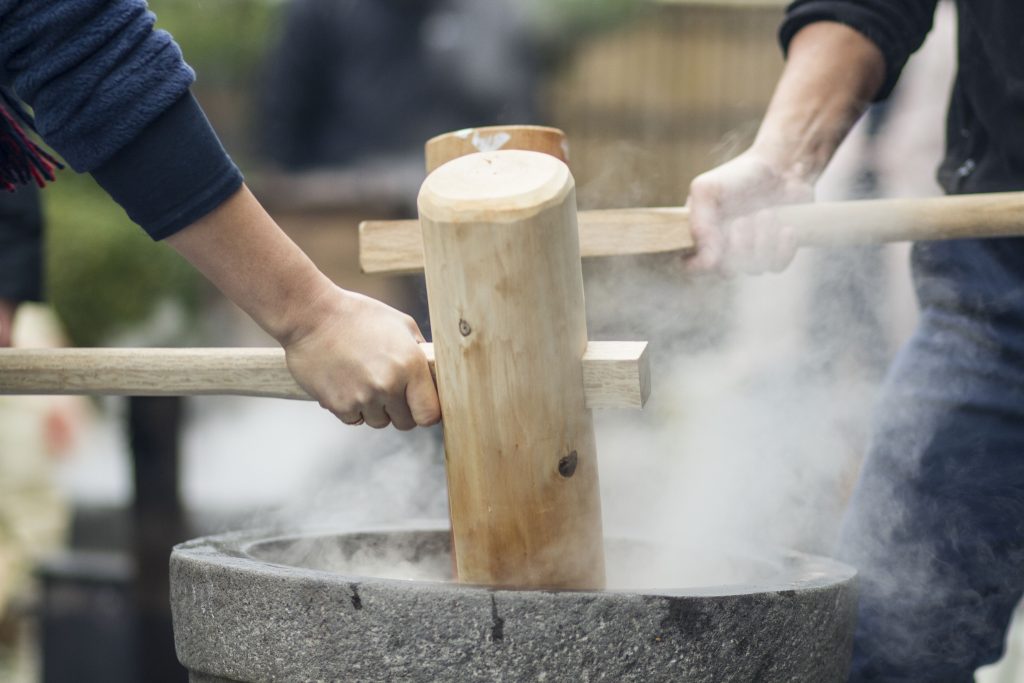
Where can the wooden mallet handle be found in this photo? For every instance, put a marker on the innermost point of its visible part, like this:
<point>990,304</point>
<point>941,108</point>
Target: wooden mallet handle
<point>397,246</point>
<point>616,374</point>
<point>879,221</point>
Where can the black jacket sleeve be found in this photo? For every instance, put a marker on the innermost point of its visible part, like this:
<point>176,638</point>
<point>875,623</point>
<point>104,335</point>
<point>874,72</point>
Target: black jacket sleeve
<point>172,174</point>
<point>21,253</point>
<point>897,27</point>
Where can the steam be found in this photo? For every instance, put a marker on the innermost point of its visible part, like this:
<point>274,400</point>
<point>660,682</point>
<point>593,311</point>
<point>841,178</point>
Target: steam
<point>761,406</point>
<point>742,448</point>
<point>750,443</point>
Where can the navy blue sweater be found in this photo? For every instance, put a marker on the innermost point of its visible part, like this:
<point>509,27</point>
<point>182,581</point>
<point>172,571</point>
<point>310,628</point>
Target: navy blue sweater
<point>111,96</point>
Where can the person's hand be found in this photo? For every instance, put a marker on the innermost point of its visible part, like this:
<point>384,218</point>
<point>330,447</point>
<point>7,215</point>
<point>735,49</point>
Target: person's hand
<point>6,321</point>
<point>731,230</point>
<point>361,360</point>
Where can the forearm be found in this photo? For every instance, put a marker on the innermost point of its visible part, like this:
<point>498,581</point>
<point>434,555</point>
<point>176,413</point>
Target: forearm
<point>240,248</point>
<point>832,73</point>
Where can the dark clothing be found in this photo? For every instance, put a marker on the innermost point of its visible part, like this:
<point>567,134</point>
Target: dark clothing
<point>351,79</point>
<point>21,253</point>
<point>111,95</point>
<point>172,174</point>
<point>985,133</point>
<point>936,524</point>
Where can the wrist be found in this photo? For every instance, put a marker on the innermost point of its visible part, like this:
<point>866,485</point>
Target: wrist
<point>242,251</point>
<point>789,170</point>
<point>323,301</point>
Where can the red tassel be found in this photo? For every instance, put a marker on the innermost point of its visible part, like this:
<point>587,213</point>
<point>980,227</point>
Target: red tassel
<point>21,160</point>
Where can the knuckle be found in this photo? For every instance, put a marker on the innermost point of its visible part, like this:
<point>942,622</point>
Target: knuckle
<point>403,425</point>
<point>706,188</point>
<point>384,385</point>
<point>345,408</point>
<point>412,364</point>
<point>356,402</point>
<point>701,184</point>
<point>428,416</point>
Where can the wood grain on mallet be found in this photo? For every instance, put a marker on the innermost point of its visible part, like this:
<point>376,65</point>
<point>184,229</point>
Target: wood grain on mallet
<point>616,374</point>
<point>505,287</point>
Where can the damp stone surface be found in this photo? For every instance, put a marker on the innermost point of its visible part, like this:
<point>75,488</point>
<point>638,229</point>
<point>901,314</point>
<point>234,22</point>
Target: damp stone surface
<point>380,606</point>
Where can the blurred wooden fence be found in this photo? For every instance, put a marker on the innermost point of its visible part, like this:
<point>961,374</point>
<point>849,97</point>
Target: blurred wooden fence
<point>650,104</point>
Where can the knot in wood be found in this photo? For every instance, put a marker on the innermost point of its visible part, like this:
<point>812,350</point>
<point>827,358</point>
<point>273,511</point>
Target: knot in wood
<point>567,465</point>
<point>464,328</point>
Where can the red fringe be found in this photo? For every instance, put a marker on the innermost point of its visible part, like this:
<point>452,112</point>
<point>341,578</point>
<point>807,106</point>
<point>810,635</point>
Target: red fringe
<point>22,161</point>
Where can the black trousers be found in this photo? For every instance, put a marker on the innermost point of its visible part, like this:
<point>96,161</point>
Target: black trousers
<point>21,245</point>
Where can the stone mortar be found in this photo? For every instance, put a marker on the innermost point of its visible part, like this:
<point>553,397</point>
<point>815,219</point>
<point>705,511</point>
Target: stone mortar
<point>312,606</point>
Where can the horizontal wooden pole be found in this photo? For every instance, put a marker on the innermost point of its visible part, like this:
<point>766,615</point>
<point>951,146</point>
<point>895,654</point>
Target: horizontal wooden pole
<point>616,374</point>
<point>397,246</point>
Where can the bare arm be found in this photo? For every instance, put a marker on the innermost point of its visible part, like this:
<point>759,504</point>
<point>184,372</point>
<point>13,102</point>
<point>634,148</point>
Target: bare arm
<point>357,356</point>
<point>831,75</point>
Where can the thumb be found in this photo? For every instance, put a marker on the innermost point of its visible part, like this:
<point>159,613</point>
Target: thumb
<point>421,396</point>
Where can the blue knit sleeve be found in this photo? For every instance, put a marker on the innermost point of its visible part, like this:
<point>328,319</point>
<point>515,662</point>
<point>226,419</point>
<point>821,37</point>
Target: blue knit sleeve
<point>897,27</point>
<point>111,95</point>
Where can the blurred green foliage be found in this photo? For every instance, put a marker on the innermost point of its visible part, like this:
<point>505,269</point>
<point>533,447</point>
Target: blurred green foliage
<point>586,14</point>
<point>565,21</point>
<point>104,274</point>
<point>223,40</point>
<point>561,25</point>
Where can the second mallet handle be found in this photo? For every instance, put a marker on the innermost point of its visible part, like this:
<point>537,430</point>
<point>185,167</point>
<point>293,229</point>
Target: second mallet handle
<point>880,221</point>
<point>397,246</point>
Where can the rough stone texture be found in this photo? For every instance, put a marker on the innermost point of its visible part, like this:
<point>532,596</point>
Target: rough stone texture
<point>244,612</point>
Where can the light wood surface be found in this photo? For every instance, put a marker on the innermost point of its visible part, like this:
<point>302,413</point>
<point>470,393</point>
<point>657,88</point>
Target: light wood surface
<point>615,374</point>
<point>393,247</point>
<point>396,247</point>
<point>901,220</point>
<point>506,292</point>
<point>448,146</point>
